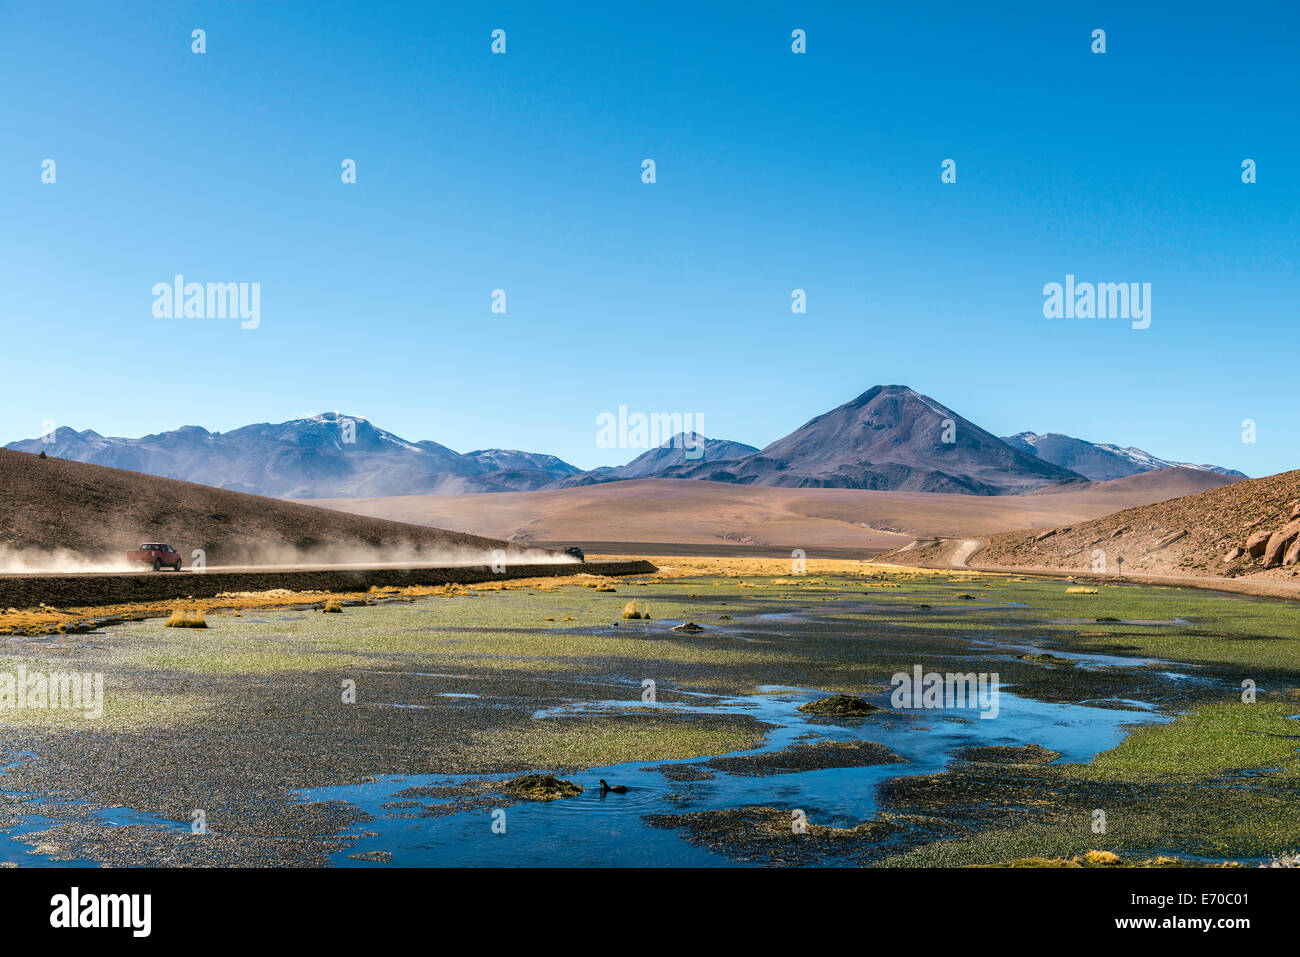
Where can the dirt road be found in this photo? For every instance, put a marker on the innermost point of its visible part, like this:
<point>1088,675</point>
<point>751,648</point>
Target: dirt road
<point>965,550</point>
<point>28,591</point>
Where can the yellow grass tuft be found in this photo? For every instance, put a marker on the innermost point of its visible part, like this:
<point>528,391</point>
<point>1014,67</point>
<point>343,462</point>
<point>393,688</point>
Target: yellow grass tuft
<point>186,618</point>
<point>634,610</point>
<point>1101,857</point>
<point>1080,590</point>
<point>605,586</point>
<point>333,605</point>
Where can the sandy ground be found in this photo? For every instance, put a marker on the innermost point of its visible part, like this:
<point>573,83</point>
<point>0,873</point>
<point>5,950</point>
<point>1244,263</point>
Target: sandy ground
<point>695,513</point>
<point>716,550</point>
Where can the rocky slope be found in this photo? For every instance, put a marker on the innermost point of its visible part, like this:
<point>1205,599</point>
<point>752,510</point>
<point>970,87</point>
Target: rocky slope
<point>1248,528</point>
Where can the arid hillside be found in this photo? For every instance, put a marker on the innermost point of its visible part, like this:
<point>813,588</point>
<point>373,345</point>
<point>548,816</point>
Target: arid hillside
<point>1249,528</point>
<point>62,515</point>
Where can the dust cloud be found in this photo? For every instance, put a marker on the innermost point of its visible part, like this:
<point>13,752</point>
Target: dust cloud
<point>266,557</point>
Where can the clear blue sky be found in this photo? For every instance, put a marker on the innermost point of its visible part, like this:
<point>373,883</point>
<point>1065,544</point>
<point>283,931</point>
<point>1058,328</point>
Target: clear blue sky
<point>775,171</point>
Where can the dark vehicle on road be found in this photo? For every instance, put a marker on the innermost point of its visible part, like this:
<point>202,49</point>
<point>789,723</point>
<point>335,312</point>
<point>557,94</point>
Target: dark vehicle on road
<point>574,552</point>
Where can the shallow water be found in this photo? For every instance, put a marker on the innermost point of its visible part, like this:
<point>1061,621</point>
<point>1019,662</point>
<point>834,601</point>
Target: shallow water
<point>591,829</point>
<point>15,851</point>
<point>1084,659</point>
<point>595,829</point>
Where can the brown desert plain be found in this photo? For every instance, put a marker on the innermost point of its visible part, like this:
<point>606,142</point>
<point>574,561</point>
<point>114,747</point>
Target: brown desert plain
<point>690,516</point>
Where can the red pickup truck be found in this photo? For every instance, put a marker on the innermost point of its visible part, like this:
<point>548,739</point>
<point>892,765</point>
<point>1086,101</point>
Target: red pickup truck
<point>156,555</point>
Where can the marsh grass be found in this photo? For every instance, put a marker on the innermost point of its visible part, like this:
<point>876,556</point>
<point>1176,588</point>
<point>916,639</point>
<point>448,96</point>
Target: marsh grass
<point>186,618</point>
<point>640,736</point>
<point>1209,740</point>
<point>1174,786</point>
<point>634,609</point>
<point>1219,781</point>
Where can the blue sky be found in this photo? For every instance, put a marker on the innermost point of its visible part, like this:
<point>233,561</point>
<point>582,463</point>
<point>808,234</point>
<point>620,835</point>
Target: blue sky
<point>775,171</point>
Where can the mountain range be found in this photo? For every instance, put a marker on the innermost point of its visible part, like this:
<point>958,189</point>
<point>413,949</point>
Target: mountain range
<point>1099,462</point>
<point>890,437</point>
<point>683,449</point>
<point>325,455</point>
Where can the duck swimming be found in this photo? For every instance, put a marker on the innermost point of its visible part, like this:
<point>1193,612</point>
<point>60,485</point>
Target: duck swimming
<point>615,788</point>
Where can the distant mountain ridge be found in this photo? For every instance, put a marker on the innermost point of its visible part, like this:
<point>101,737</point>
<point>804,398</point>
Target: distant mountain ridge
<point>1098,461</point>
<point>317,457</point>
<point>683,449</point>
<point>889,438</point>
